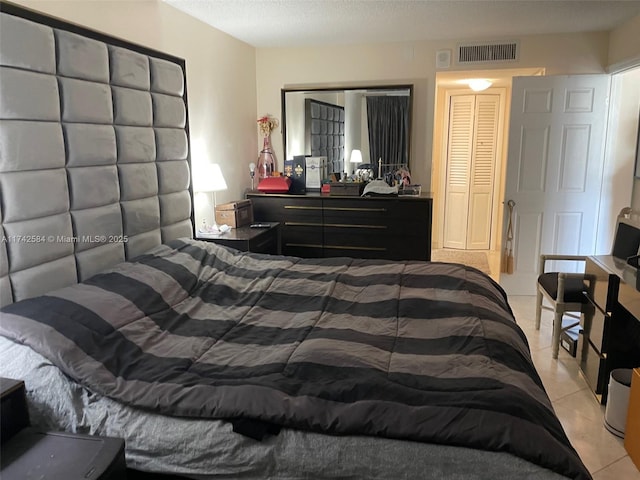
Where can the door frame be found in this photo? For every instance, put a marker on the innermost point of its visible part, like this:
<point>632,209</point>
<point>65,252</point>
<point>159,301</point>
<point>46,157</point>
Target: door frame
<point>499,170</point>
<point>458,80</point>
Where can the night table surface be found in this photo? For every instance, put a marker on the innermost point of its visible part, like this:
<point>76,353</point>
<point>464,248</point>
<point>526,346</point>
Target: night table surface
<point>248,239</point>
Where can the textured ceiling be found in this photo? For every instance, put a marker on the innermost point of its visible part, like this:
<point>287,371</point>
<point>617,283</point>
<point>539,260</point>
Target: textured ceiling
<point>288,23</point>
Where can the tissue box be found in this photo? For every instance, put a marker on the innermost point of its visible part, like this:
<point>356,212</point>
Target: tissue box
<point>235,214</point>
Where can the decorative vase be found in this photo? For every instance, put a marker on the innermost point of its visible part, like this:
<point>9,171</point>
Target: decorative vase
<point>266,159</point>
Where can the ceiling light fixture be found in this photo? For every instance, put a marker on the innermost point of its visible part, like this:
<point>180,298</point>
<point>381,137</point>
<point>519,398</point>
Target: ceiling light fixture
<point>479,84</point>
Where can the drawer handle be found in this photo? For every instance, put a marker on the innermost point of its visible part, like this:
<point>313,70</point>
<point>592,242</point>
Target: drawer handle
<point>351,225</point>
<point>351,247</point>
<point>302,224</point>
<point>298,207</point>
<point>306,245</point>
<point>355,209</point>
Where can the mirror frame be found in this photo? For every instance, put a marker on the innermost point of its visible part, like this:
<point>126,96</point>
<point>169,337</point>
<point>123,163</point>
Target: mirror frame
<point>335,88</point>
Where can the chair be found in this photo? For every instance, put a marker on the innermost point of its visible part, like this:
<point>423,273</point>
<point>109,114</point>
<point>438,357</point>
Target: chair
<point>568,294</point>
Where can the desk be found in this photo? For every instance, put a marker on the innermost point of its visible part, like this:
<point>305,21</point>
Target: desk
<point>612,339</point>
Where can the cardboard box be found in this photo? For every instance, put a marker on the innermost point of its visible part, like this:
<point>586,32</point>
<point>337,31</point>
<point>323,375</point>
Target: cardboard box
<point>235,214</point>
<point>632,429</point>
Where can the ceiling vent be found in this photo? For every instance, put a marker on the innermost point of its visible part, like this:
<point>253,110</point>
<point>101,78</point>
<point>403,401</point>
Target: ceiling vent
<point>488,52</point>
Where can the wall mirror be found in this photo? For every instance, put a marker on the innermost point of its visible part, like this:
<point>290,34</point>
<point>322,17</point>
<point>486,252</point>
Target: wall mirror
<point>334,122</point>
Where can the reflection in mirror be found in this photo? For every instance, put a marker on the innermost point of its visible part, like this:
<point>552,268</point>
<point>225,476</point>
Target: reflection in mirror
<point>376,121</point>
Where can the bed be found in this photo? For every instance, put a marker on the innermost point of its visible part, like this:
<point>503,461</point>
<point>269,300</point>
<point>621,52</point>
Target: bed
<point>213,363</point>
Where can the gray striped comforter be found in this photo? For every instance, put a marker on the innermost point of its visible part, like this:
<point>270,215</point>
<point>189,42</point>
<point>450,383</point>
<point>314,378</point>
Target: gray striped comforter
<point>427,352</point>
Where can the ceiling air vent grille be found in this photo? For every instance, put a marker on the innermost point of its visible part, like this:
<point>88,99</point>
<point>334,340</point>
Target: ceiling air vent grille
<point>488,52</point>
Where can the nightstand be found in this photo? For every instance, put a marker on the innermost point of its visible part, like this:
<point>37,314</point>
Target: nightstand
<point>28,453</point>
<point>247,239</point>
<point>13,408</point>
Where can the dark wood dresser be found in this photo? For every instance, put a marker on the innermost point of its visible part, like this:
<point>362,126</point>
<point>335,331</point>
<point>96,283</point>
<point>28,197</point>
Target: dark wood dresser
<point>612,340</point>
<point>317,225</point>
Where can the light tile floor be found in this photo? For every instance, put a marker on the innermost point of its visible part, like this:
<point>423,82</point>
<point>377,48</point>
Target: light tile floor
<point>579,412</point>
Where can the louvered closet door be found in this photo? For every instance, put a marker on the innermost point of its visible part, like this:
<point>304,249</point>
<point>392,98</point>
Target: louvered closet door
<point>472,143</point>
<point>483,162</point>
<point>461,114</point>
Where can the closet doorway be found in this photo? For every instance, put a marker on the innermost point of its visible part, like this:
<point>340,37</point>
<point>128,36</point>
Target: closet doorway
<point>474,133</point>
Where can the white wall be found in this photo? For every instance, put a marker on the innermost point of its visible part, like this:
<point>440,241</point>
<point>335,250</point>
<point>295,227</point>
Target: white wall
<point>617,182</point>
<point>624,52</point>
<point>402,63</point>
<point>624,42</point>
<point>221,79</point>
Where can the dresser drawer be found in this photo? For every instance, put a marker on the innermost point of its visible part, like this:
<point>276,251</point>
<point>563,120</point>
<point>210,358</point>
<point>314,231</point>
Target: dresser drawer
<point>372,243</point>
<point>377,217</point>
<point>287,209</point>
<point>379,208</point>
<point>355,241</point>
<point>605,290</point>
<point>395,226</point>
<point>309,210</point>
<point>598,331</point>
<point>356,208</point>
<point>629,299</point>
<point>302,234</point>
<point>592,364</point>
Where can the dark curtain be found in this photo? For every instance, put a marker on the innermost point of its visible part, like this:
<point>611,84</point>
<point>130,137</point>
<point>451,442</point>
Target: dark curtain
<point>388,118</point>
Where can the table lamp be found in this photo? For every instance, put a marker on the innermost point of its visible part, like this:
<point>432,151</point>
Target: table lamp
<point>356,157</point>
<point>209,179</point>
<point>252,173</point>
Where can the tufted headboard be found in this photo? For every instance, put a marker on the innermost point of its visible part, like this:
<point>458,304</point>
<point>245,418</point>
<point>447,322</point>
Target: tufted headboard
<point>94,152</point>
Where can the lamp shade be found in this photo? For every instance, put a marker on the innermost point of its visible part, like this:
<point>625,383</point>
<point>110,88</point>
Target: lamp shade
<point>356,156</point>
<point>208,178</point>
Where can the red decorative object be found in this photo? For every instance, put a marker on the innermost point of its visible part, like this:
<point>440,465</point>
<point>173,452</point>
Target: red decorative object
<point>275,185</point>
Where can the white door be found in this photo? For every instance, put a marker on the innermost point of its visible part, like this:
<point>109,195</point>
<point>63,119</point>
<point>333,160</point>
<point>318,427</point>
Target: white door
<point>471,160</point>
<point>554,170</point>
